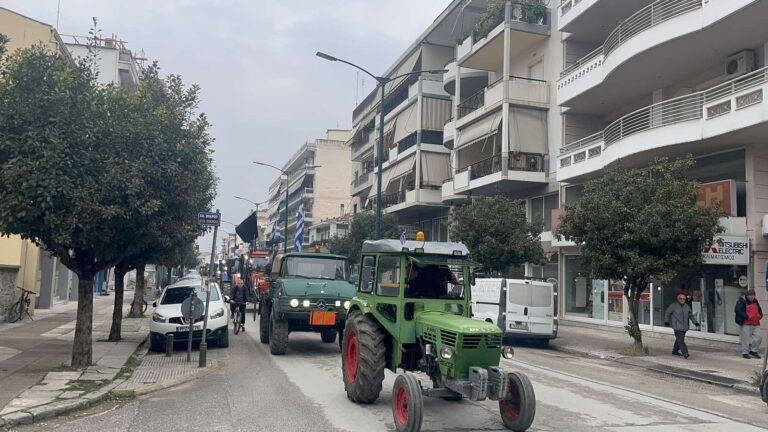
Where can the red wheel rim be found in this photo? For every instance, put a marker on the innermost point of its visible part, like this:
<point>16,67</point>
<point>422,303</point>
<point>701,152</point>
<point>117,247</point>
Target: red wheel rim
<point>351,353</point>
<point>401,406</point>
<point>511,406</point>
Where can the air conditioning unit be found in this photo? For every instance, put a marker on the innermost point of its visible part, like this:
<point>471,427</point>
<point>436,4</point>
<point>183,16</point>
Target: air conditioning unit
<point>740,63</point>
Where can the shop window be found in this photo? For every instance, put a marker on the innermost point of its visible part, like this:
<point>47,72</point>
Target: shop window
<point>584,296</point>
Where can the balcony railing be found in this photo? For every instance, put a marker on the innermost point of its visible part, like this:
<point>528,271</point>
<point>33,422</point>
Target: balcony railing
<point>472,103</point>
<point>644,19</point>
<point>530,162</point>
<point>392,199</point>
<point>485,167</point>
<point>362,178</point>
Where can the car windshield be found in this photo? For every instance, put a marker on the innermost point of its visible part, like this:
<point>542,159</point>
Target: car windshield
<point>317,268</point>
<point>178,295</point>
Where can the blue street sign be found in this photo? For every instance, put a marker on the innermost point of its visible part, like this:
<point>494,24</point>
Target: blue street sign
<point>208,219</point>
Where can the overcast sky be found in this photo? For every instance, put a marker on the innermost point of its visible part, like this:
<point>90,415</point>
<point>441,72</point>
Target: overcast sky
<point>263,89</point>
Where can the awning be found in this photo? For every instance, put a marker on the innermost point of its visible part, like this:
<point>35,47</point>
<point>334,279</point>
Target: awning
<point>528,131</point>
<point>406,123</point>
<point>434,113</point>
<point>435,168</point>
<point>409,65</point>
<point>393,172</point>
<point>483,128</point>
<point>248,230</point>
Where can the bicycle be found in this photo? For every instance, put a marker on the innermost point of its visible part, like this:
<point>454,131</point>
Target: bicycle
<point>21,307</point>
<point>144,306</point>
<point>238,319</point>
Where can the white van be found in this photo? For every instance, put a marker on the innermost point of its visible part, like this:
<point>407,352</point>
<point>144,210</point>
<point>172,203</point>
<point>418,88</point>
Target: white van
<point>522,308</point>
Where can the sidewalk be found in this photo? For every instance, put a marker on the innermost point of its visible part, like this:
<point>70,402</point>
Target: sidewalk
<point>35,358</point>
<point>715,365</point>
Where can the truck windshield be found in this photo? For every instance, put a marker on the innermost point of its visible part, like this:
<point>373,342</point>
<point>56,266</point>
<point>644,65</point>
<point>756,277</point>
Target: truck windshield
<point>317,268</point>
<point>259,263</point>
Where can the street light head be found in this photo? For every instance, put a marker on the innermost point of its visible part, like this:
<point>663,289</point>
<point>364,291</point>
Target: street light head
<point>438,71</point>
<point>325,56</point>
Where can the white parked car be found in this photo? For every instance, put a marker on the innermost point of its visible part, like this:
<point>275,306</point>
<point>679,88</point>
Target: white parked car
<point>167,318</point>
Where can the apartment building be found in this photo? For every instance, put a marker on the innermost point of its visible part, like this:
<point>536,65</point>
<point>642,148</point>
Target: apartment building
<point>644,79</point>
<point>22,263</point>
<point>115,63</point>
<point>318,175</point>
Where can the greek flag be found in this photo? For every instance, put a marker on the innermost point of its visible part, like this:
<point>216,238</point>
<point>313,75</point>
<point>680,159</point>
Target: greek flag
<point>402,238</point>
<point>299,238</point>
<point>276,237</point>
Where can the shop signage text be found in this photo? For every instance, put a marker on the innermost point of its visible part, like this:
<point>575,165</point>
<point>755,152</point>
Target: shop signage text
<point>722,193</point>
<point>729,250</point>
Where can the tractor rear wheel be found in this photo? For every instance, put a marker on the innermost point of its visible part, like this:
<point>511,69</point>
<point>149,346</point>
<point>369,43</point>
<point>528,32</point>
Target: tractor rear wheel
<point>328,336</point>
<point>263,323</point>
<point>407,403</point>
<point>519,407</point>
<point>363,358</point>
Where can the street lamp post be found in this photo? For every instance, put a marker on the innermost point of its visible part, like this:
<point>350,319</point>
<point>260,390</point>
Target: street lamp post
<point>285,245</point>
<point>382,81</point>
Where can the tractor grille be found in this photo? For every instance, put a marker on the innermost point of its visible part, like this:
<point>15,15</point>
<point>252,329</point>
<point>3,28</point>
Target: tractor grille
<point>430,335</point>
<point>473,341</point>
<point>448,338</point>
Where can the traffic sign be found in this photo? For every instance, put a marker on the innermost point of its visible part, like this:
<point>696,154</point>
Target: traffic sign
<point>192,313</point>
<point>209,219</point>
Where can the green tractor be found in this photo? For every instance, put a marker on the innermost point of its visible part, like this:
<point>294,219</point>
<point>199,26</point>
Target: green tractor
<point>308,292</point>
<point>412,311</point>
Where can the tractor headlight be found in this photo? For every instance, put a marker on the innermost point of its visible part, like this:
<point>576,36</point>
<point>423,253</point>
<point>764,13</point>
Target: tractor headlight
<point>294,303</point>
<point>507,352</point>
<point>218,314</point>
<point>305,303</point>
<point>156,317</point>
<point>347,304</point>
<point>446,353</point>
<point>338,303</point>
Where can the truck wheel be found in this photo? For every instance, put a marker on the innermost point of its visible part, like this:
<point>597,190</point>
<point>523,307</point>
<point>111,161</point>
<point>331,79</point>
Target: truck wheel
<point>519,408</point>
<point>328,336</point>
<point>264,324</point>
<point>407,403</point>
<point>278,336</point>
<point>363,358</point>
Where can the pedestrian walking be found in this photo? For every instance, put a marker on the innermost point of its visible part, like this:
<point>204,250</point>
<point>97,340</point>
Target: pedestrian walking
<point>748,316</point>
<point>677,316</point>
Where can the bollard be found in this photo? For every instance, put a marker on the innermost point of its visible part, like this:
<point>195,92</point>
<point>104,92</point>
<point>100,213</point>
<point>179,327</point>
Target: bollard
<point>169,345</point>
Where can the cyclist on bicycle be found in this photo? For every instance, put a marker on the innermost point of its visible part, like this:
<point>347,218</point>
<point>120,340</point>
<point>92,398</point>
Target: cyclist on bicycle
<point>240,296</point>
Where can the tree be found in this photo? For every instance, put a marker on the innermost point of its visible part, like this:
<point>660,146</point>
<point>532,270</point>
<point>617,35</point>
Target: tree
<point>361,228</point>
<point>641,226</point>
<point>497,233</point>
<point>57,182</point>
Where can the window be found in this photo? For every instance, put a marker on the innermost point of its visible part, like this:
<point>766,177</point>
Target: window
<point>178,295</point>
<point>541,209</point>
<point>320,268</point>
<point>366,278</point>
<point>389,276</point>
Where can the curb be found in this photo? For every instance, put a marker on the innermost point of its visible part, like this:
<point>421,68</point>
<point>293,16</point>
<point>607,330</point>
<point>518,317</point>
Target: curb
<point>213,367</point>
<point>745,388</point>
<point>41,412</point>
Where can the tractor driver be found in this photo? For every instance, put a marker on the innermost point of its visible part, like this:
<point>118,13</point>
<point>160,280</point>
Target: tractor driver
<point>429,281</point>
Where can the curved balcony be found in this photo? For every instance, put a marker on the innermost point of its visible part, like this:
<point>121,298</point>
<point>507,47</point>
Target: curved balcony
<point>645,52</point>
<point>587,18</point>
<point>699,121</point>
<point>472,80</point>
<point>449,133</point>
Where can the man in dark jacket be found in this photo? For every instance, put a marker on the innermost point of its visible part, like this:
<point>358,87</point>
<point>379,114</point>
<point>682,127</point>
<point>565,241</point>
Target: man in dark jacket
<point>677,316</point>
<point>748,316</point>
<point>240,295</point>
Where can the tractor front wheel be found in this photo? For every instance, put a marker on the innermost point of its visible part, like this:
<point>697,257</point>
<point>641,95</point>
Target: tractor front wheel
<point>263,323</point>
<point>363,358</point>
<point>407,403</point>
<point>278,336</point>
<point>519,407</point>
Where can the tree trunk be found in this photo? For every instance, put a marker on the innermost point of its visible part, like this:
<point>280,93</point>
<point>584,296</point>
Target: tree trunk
<point>632,294</point>
<point>117,311</point>
<point>138,295</point>
<point>82,348</point>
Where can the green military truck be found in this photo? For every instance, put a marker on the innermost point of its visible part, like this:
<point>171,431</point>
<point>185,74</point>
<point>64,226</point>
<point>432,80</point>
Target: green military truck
<point>308,292</point>
<point>412,311</point>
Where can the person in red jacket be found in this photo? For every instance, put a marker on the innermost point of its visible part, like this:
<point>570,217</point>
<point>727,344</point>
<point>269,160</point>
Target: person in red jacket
<point>748,316</point>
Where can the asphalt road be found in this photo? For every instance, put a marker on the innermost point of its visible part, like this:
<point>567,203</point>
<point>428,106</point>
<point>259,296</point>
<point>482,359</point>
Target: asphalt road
<point>303,391</point>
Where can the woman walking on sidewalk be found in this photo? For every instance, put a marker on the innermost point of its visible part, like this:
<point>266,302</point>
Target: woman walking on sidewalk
<point>748,316</point>
<point>678,314</point>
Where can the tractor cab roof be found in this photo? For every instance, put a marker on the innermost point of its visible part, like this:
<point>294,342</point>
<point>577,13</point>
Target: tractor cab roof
<point>451,249</point>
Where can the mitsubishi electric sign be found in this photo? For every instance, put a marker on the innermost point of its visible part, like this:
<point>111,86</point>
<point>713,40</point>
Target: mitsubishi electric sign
<point>729,250</point>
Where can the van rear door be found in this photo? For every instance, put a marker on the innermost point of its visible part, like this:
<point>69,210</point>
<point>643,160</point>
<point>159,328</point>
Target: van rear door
<point>529,307</point>
<point>485,299</point>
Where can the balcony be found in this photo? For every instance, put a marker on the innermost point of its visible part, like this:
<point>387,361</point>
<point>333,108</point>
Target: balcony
<point>472,80</point>
<point>644,52</point>
<point>362,183</point>
<point>523,170</point>
<point>449,133</point>
<point>694,122</point>
<point>413,202</point>
<point>486,51</point>
<point>587,18</point>
<point>517,91</point>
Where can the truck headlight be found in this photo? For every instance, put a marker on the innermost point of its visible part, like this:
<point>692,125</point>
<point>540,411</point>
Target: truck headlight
<point>294,303</point>
<point>305,303</point>
<point>218,314</point>
<point>156,317</point>
<point>338,303</point>
<point>446,353</point>
<point>507,352</point>
<point>347,304</point>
